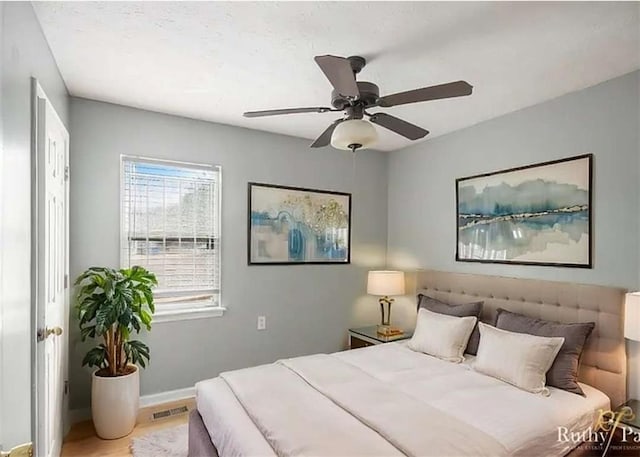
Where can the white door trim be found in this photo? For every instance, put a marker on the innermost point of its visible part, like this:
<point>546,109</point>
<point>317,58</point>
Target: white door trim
<point>36,92</point>
<point>39,99</point>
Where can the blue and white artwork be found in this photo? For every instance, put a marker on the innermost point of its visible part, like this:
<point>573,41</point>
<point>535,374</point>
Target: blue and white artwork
<point>293,225</point>
<point>539,214</point>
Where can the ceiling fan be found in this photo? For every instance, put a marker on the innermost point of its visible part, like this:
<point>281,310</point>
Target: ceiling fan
<point>355,98</point>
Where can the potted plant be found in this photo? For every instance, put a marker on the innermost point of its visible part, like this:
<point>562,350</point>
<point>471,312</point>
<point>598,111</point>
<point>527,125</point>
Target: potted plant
<point>110,305</point>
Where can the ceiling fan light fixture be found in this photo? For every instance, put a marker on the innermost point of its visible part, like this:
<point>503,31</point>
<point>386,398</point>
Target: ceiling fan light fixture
<point>354,134</point>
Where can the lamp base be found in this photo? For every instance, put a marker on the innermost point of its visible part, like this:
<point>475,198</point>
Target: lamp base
<point>389,330</point>
<point>385,319</point>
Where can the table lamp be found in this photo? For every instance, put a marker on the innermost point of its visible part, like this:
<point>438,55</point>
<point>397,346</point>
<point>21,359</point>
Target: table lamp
<point>632,332</point>
<point>632,316</point>
<point>384,283</point>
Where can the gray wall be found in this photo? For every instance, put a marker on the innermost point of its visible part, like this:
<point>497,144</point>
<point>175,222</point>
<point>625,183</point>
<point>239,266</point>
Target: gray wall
<point>602,120</point>
<point>25,53</point>
<point>308,308</point>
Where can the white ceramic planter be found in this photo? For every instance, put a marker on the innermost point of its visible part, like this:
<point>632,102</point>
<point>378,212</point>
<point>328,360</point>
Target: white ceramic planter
<point>114,404</point>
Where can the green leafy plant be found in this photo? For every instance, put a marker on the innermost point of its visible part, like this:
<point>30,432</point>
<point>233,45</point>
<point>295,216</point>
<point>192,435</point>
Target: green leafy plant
<point>111,304</point>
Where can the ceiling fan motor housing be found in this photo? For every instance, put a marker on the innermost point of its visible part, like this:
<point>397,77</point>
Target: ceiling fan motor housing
<point>357,63</point>
<point>369,94</point>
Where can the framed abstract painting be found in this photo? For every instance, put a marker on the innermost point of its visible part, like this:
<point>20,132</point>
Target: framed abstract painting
<point>539,214</point>
<point>293,225</point>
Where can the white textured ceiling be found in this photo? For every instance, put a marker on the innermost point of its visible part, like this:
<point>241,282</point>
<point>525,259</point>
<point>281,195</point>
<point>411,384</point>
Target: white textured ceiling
<point>214,60</point>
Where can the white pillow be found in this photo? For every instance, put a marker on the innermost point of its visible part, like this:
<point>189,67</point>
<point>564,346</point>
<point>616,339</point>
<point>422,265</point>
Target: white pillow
<point>517,358</point>
<point>442,336</point>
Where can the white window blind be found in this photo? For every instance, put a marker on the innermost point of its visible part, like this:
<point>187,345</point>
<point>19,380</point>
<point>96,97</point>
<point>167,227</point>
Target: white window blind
<point>170,225</point>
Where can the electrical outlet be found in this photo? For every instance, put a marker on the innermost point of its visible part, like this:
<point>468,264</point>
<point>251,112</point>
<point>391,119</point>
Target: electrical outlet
<point>262,322</point>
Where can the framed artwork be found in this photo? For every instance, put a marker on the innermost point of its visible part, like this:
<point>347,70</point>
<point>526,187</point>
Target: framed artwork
<point>292,225</point>
<point>534,215</point>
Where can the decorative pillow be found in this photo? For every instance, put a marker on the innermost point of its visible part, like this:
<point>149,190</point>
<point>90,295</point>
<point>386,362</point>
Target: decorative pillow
<point>442,336</point>
<point>563,374</point>
<point>516,358</point>
<point>450,309</point>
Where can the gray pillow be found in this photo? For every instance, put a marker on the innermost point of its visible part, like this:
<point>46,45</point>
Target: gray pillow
<point>450,309</point>
<point>563,374</point>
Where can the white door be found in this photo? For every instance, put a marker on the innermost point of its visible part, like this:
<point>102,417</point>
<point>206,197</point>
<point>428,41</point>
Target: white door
<point>51,283</point>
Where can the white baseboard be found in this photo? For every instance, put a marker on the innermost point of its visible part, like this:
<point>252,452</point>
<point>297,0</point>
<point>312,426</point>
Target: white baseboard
<point>165,397</point>
<point>83,414</point>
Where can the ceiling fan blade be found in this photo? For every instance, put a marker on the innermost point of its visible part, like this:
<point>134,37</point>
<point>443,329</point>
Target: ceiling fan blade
<point>325,139</point>
<point>448,90</point>
<point>404,128</point>
<point>340,74</point>
<point>276,112</point>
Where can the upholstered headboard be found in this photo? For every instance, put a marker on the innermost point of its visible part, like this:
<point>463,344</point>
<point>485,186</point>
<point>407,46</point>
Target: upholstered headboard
<point>604,363</point>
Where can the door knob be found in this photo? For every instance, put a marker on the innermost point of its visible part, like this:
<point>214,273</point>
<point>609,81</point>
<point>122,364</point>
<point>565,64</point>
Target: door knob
<point>57,331</point>
<point>44,333</point>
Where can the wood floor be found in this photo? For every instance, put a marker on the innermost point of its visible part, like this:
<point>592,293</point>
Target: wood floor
<point>83,442</point>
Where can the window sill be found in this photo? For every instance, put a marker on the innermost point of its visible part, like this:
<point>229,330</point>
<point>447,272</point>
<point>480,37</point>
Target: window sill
<point>187,314</point>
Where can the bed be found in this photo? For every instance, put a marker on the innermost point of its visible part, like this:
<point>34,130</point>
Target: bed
<point>389,400</point>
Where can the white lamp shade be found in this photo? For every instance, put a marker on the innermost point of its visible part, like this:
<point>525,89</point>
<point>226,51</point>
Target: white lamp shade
<point>385,283</point>
<point>354,132</point>
<point>632,316</point>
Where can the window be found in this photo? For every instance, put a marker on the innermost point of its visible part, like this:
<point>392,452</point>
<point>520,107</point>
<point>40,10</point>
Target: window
<point>170,214</point>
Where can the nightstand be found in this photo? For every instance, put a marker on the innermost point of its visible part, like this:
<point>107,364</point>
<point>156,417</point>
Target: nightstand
<point>362,337</point>
<point>624,443</point>
<point>633,424</point>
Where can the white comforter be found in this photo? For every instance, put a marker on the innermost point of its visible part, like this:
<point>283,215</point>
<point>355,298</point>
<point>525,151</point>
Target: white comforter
<point>321,405</point>
<point>383,400</point>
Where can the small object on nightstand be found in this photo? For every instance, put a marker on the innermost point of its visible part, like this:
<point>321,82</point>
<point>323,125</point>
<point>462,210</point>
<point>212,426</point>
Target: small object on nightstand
<point>387,330</point>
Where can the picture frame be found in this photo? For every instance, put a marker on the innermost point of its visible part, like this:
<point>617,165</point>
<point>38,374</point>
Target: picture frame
<point>539,214</point>
<point>297,226</point>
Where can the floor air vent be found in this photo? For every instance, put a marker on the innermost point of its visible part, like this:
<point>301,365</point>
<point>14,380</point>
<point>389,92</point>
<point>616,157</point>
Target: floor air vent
<point>170,412</point>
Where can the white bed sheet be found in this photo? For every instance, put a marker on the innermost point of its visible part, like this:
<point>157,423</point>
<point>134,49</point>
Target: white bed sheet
<point>525,424</point>
<point>230,428</point>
